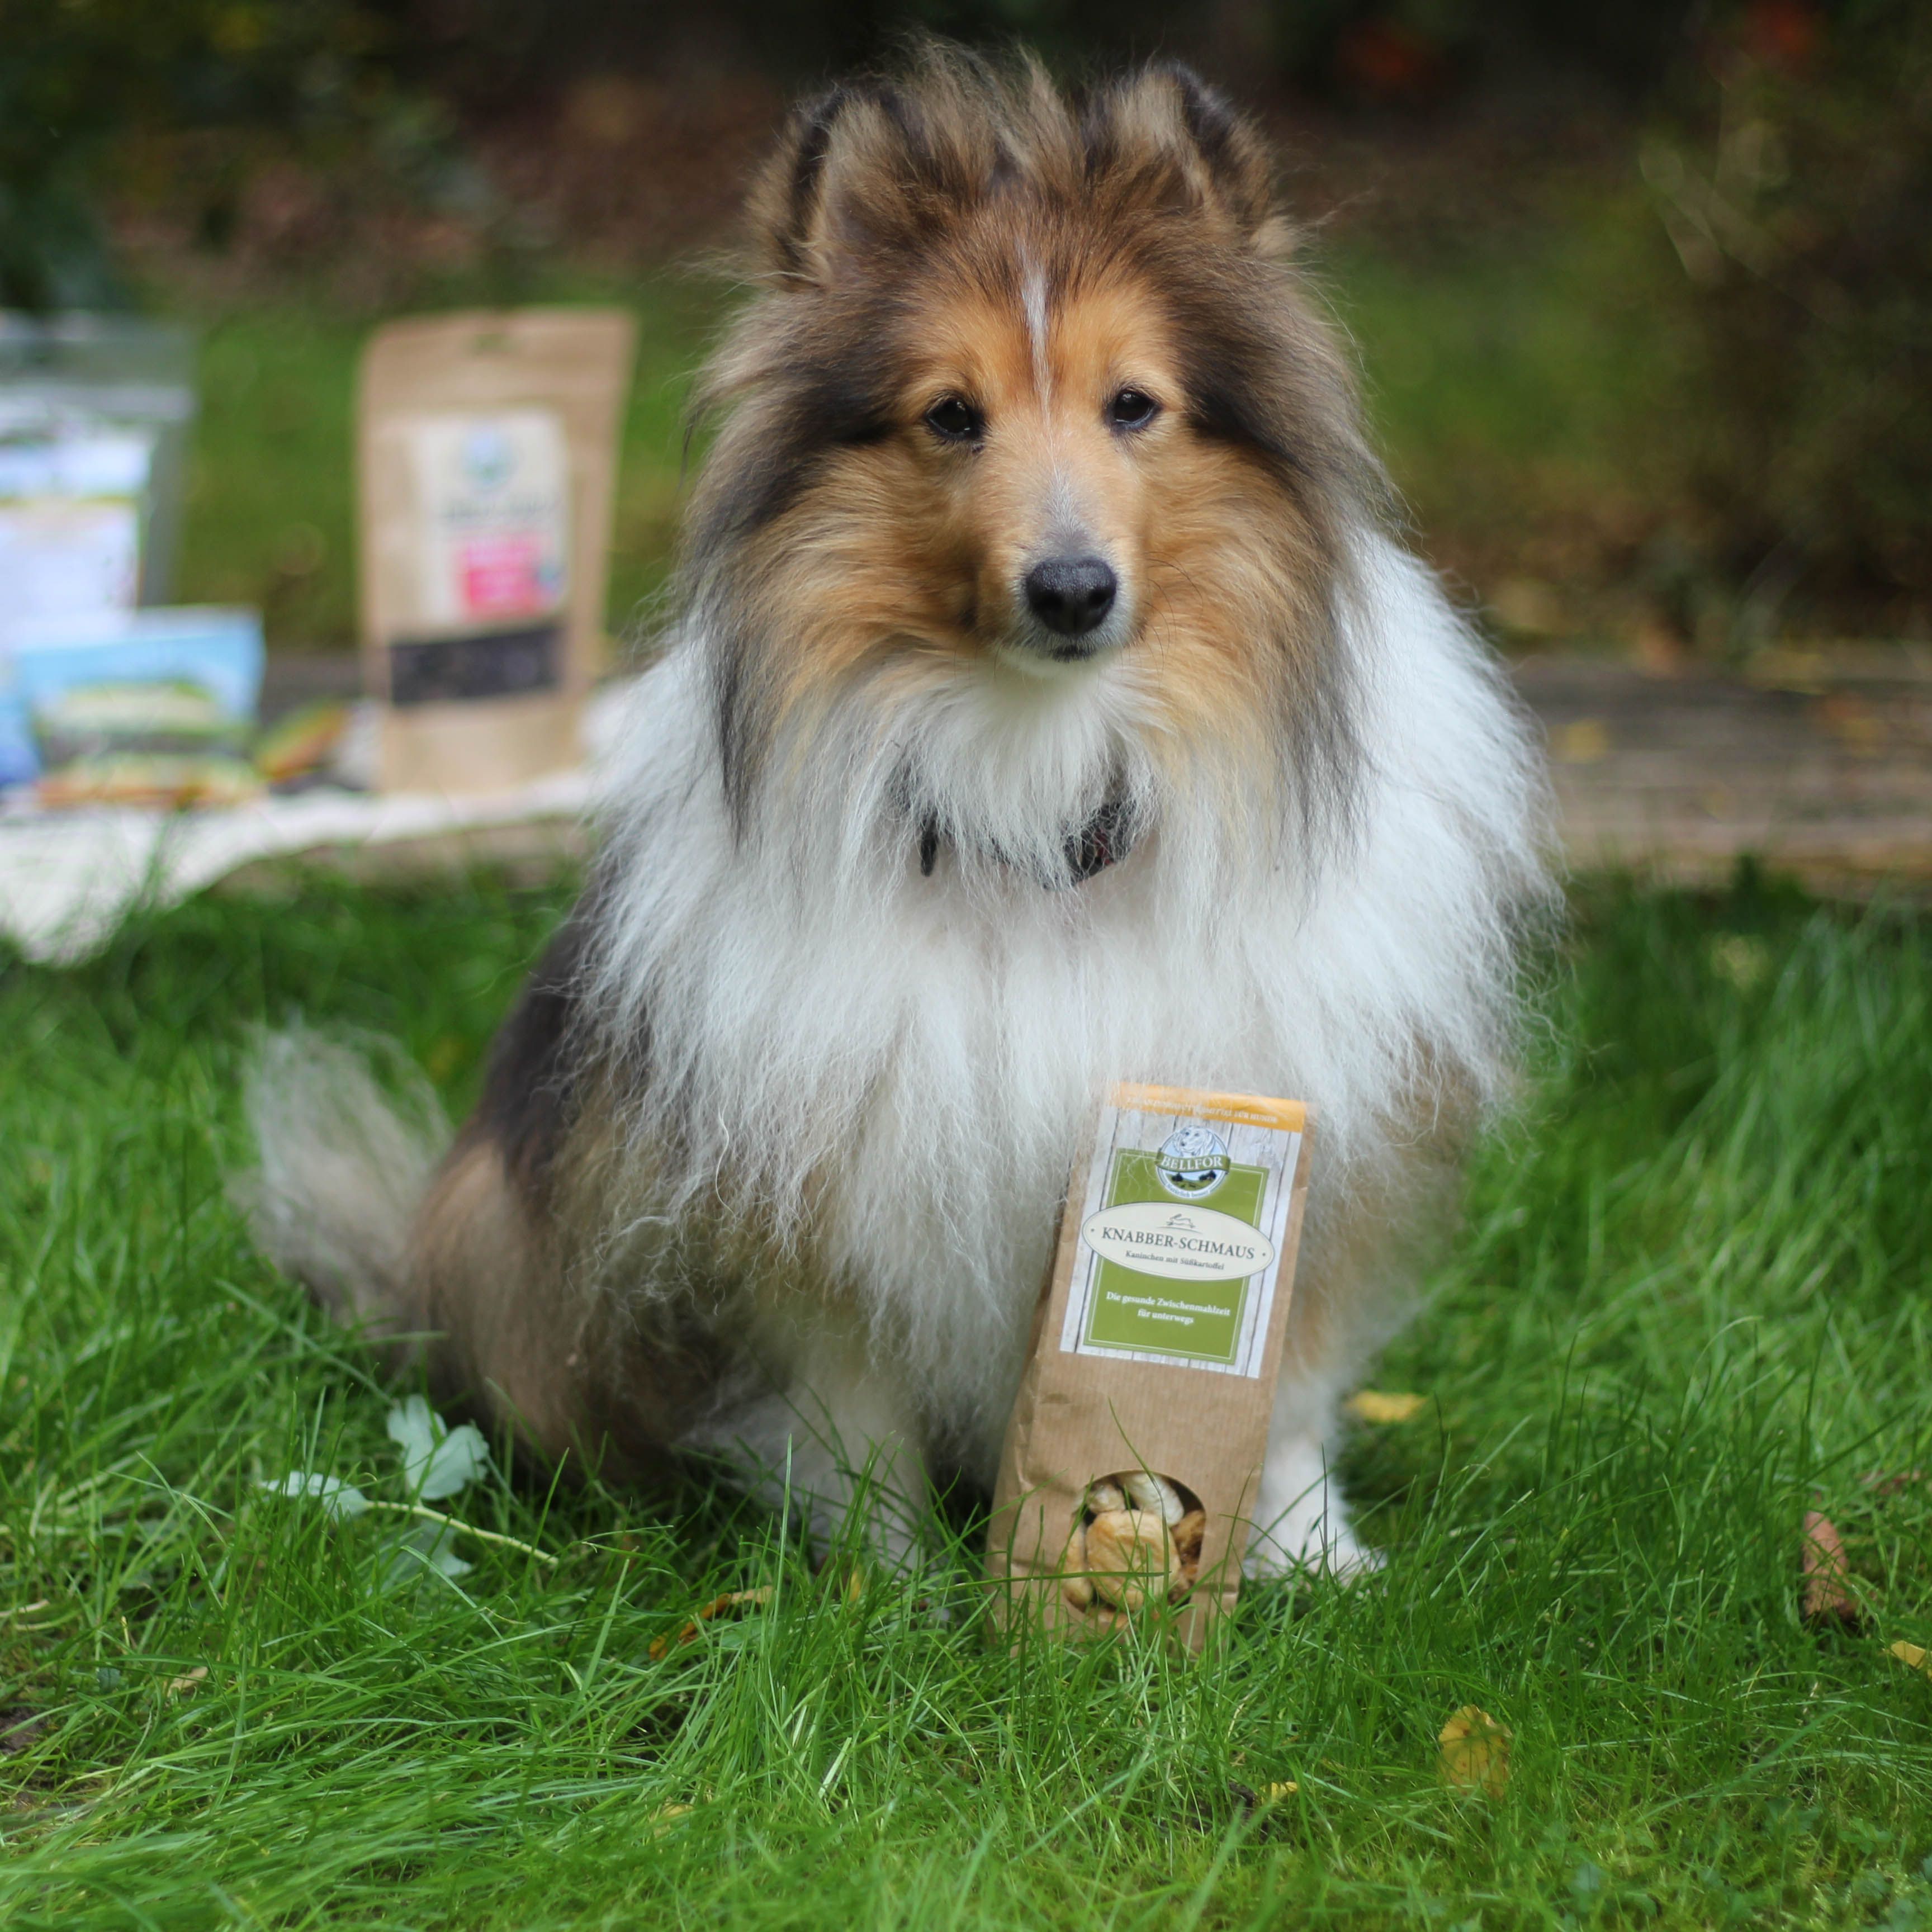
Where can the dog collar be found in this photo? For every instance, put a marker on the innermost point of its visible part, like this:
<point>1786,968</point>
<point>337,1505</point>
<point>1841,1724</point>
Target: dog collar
<point>1106,838</point>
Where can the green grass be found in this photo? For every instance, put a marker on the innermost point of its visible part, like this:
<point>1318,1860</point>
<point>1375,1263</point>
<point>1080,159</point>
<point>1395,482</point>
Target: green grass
<point>1690,1294</point>
<point>1526,388</point>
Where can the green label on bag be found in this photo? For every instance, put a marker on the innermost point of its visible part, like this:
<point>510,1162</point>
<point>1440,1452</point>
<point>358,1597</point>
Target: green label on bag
<point>1188,1300</point>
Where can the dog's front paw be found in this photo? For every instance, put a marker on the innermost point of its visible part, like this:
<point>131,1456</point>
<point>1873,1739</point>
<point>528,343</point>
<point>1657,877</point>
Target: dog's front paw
<point>1302,1524</point>
<point>1336,1552</point>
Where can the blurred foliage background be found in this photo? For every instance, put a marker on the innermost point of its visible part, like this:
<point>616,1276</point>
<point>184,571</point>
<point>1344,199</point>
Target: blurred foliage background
<point>1643,291</point>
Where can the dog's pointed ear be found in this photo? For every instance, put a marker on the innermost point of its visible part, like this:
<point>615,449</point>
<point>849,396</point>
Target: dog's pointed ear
<point>863,167</point>
<point>1182,145</point>
<point>786,207</point>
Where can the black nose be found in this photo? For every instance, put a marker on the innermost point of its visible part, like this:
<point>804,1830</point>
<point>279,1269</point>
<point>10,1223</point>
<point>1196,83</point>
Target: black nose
<point>1071,595</point>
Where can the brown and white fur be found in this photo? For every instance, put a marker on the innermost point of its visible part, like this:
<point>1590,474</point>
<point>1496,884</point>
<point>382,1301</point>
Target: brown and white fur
<point>770,1155</point>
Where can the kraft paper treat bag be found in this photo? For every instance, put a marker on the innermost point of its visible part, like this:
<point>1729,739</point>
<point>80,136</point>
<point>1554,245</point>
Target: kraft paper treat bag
<point>1134,1455</point>
<point>486,449</point>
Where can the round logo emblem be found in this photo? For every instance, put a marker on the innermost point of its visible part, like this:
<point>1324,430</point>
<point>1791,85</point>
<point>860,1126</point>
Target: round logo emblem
<point>1192,1163</point>
<point>488,457</point>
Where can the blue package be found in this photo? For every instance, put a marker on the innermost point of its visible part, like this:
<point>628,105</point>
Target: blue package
<point>182,680</point>
<point>19,760</point>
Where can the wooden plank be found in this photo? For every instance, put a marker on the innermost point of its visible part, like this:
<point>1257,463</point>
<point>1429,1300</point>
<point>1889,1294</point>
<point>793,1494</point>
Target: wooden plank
<point>1820,766</point>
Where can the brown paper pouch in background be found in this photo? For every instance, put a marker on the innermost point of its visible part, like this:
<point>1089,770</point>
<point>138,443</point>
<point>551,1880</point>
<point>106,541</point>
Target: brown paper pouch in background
<point>1167,1368</point>
<point>487,454</point>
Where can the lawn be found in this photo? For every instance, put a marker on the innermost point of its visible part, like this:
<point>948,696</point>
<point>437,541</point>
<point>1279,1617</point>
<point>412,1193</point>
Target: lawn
<point>1690,1299</point>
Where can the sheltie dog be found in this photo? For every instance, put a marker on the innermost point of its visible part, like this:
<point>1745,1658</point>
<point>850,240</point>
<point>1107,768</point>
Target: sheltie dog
<point>1051,703</point>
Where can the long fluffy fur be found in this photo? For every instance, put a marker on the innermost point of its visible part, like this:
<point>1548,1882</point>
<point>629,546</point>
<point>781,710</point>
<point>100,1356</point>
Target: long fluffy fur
<point>342,1164</point>
<point>894,1078</point>
<point>788,1110</point>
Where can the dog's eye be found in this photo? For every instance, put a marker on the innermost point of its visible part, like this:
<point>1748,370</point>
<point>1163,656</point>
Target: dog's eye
<point>955,419</point>
<point>1132,408</point>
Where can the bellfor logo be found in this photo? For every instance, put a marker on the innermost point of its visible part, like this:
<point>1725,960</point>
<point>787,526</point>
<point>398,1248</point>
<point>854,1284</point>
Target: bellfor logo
<point>1193,1161</point>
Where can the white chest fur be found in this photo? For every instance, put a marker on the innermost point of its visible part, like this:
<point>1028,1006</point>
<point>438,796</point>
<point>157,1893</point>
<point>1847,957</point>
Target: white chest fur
<point>896,1067</point>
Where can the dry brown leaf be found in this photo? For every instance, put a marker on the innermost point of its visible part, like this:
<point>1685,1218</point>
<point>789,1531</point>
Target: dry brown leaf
<point>188,1680</point>
<point>1826,1572</point>
<point>1475,1752</point>
<point>732,1600</point>
<point>1911,1655</point>
<point>1373,1406</point>
<point>1583,741</point>
<point>845,1578</point>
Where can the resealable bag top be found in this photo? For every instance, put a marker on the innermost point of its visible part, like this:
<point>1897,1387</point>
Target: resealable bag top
<point>487,448</point>
<point>95,415</point>
<point>1134,1456</point>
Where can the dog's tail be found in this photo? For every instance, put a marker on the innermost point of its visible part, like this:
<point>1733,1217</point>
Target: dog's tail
<point>342,1162</point>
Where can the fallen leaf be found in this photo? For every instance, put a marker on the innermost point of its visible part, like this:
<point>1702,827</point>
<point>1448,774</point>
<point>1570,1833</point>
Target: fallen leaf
<point>1909,1654</point>
<point>846,1577</point>
<point>188,1681</point>
<point>1475,1752</point>
<point>1826,1572</point>
<point>1373,1406</point>
<point>732,1600</point>
<point>1739,958</point>
<point>1584,741</point>
<point>437,1460</point>
<point>1252,1801</point>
